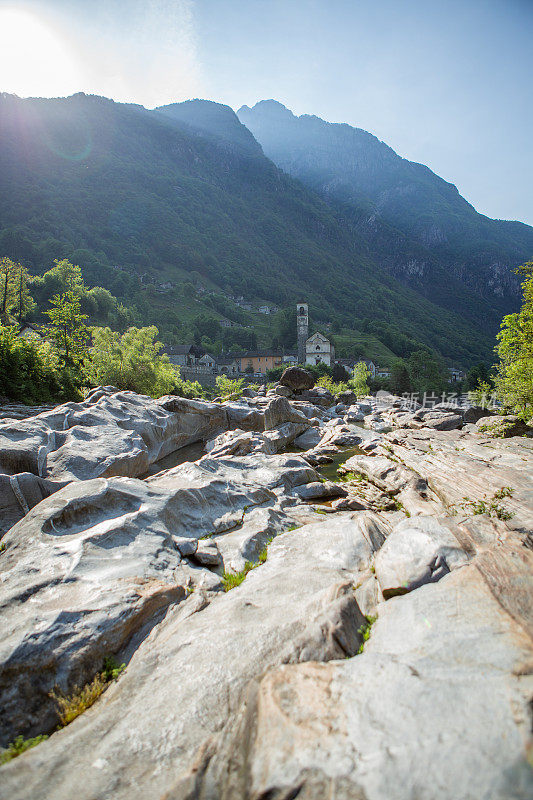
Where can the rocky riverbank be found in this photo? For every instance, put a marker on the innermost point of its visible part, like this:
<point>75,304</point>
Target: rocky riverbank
<point>378,642</point>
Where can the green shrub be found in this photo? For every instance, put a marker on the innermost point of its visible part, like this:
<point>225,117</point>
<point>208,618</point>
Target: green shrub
<point>364,631</point>
<point>30,371</point>
<point>131,361</point>
<point>228,388</point>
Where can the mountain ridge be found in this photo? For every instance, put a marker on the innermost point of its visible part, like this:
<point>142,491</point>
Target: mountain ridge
<point>104,183</point>
<point>436,234</point>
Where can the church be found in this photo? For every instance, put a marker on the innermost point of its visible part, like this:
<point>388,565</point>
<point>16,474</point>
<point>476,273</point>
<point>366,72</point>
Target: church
<point>315,349</point>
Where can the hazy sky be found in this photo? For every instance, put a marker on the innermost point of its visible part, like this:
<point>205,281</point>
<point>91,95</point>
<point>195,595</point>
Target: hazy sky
<point>444,82</point>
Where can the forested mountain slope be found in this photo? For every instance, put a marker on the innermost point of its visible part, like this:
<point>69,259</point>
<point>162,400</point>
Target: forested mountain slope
<point>414,223</point>
<point>185,190</point>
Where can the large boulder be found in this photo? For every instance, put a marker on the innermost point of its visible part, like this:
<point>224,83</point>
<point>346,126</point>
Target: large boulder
<point>110,433</point>
<point>99,558</point>
<point>418,551</point>
<point>436,707</point>
<point>503,427</point>
<point>297,379</point>
<point>189,675</point>
<point>318,397</point>
<point>347,397</point>
<point>439,420</point>
<point>279,411</point>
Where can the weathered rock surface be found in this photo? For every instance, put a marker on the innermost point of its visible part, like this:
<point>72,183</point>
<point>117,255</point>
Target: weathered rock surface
<point>141,737</point>
<point>418,551</point>
<point>118,433</point>
<point>228,695</point>
<point>435,708</point>
<point>110,433</point>
<point>297,379</point>
<point>99,557</point>
<point>459,467</point>
<point>503,427</point>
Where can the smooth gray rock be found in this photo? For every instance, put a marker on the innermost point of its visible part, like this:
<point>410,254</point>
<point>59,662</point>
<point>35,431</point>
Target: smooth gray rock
<point>100,557</point>
<point>110,433</point>
<point>279,438</point>
<point>320,490</point>
<point>418,551</point>
<point>283,391</point>
<point>318,397</point>
<point>503,426</point>
<point>189,675</point>
<point>309,439</point>
<point>435,708</point>
<point>473,413</point>
<point>279,411</point>
<point>243,416</point>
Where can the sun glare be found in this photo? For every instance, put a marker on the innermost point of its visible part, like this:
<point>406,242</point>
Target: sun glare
<point>34,59</point>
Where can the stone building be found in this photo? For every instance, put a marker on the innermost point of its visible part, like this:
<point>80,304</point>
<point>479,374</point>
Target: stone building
<point>315,349</point>
<point>302,329</point>
<point>319,350</point>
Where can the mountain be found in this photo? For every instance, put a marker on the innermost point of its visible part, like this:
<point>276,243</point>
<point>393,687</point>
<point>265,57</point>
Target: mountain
<point>415,224</point>
<point>183,193</point>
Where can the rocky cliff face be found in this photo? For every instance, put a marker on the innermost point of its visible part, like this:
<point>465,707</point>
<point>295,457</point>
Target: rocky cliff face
<point>404,212</point>
<point>378,642</point>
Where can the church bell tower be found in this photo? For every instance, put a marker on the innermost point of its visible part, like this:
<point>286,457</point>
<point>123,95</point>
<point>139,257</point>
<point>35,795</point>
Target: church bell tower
<point>302,328</point>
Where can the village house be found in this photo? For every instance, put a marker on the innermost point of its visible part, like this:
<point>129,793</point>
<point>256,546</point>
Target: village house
<point>456,375</point>
<point>228,365</point>
<point>206,363</point>
<point>258,362</point>
<point>185,355</point>
<point>290,359</point>
<point>371,367</point>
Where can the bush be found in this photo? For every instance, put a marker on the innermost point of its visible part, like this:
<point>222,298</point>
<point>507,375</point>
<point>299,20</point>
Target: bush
<point>358,383</point>
<point>30,371</point>
<point>514,379</point>
<point>333,388</point>
<point>229,389</point>
<point>131,361</point>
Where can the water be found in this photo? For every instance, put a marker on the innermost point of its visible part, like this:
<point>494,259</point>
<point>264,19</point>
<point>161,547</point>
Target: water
<point>329,471</point>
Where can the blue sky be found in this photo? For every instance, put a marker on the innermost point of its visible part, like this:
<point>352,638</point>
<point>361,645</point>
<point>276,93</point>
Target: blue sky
<point>444,82</point>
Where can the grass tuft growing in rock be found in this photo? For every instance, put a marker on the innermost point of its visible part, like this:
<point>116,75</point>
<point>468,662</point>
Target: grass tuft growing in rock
<point>230,580</point>
<point>364,631</point>
<point>490,507</point>
<point>71,706</point>
<point>19,746</point>
<point>350,476</point>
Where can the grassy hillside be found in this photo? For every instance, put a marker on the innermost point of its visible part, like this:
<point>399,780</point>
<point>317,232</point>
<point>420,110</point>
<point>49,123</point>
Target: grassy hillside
<point>107,184</point>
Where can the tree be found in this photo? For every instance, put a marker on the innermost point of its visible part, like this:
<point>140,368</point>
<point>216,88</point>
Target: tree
<point>63,277</point>
<point>206,326</point>
<point>29,370</point>
<point>14,294</point>
<point>426,372</point>
<point>359,380</point>
<point>399,379</point>
<point>514,378</point>
<point>477,375</point>
<point>132,361</point>
<point>67,328</point>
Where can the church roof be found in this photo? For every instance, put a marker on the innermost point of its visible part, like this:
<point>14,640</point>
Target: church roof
<point>317,336</point>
